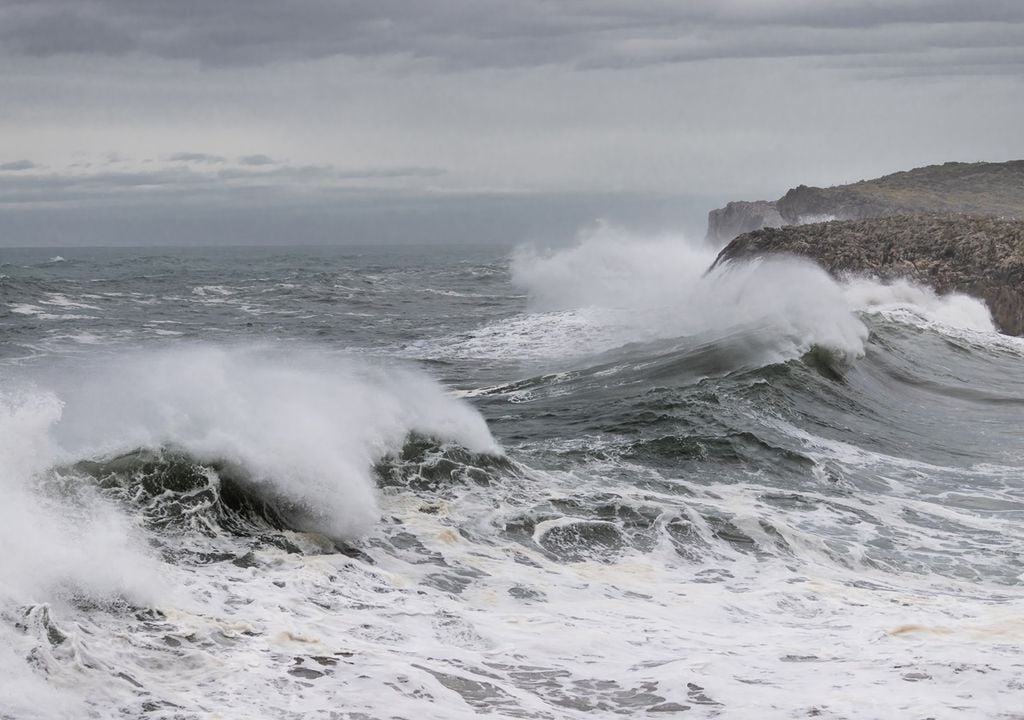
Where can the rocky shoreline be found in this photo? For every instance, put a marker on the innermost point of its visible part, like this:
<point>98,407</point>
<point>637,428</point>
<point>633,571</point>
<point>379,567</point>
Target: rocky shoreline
<point>977,256</point>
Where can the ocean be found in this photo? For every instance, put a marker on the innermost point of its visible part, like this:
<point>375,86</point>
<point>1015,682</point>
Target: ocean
<point>445,482</point>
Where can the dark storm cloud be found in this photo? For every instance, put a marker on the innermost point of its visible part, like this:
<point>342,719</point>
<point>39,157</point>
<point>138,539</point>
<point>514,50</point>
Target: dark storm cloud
<point>17,166</point>
<point>460,34</point>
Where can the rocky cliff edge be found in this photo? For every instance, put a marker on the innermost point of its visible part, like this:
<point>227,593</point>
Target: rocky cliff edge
<point>981,257</point>
<point>977,189</point>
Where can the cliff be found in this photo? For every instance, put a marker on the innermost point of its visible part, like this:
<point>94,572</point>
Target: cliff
<point>981,257</point>
<point>979,189</point>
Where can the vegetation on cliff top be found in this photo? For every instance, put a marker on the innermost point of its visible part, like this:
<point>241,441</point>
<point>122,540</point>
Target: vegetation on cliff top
<point>984,189</point>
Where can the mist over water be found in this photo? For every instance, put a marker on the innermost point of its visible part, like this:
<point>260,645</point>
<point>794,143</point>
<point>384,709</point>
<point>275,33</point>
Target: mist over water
<point>588,481</point>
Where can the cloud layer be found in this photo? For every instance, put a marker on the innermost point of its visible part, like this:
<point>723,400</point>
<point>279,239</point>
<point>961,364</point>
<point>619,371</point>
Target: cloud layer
<point>193,177</point>
<point>466,34</point>
<point>131,113</point>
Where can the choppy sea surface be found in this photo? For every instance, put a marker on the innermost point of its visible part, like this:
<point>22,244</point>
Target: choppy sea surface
<point>593,481</point>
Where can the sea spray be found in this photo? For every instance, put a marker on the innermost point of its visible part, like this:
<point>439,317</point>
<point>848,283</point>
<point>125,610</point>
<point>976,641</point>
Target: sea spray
<point>57,550</point>
<point>910,300</point>
<point>638,289</point>
<point>59,545</point>
<point>303,428</point>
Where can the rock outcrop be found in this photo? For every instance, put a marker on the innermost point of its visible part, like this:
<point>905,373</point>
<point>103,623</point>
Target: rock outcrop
<point>981,257</point>
<point>741,217</point>
<point>979,189</point>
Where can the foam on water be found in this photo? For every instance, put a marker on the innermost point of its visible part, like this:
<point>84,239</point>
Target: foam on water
<point>57,549</point>
<point>909,302</point>
<point>53,543</point>
<point>454,620</point>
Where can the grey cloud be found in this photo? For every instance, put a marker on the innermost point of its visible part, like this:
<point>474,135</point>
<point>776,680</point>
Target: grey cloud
<point>183,182</point>
<point>895,45</point>
<point>392,172</point>
<point>464,34</point>
<point>258,159</point>
<point>18,165</point>
<point>201,158</point>
<point>53,28</point>
<point>54,185</point>
<point>328,173</point>
<point>935,63</point>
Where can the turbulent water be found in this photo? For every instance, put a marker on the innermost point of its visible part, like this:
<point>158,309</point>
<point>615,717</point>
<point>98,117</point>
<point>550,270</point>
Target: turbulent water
<point>436,483</point>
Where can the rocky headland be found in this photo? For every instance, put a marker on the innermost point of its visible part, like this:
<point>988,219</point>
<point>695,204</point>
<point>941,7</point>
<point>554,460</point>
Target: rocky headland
<point>976,189</point>
<point>957,227</point>
<point>981,257</point>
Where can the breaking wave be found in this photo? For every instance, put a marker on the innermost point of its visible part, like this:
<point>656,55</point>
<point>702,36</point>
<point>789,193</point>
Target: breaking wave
<point>296,431</point>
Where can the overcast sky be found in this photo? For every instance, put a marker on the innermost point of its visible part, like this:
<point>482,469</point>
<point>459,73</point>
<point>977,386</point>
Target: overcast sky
<point>195,121</point>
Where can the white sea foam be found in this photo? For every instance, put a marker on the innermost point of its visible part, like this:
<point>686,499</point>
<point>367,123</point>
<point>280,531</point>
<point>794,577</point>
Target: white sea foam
<point>308,431</point>
<point>55,548</point>
<point>905,301</point>
<point>727,633</point>
<point>38,312</point>
<point>618,288</point>
<point>51,544</point>
<point>306,428</point>
<point>61,300</point>
<point>612,288</point>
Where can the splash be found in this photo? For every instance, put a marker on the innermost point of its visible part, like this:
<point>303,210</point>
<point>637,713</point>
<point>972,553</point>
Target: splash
<point>905,301</point>
<point>59,544</point>
<point>304,429</point>
<point>636,289</point>
<point>57,549</point>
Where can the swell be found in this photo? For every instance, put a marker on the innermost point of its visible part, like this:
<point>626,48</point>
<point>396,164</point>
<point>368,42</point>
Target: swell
<point>882,467</point>
<point>675,400</point>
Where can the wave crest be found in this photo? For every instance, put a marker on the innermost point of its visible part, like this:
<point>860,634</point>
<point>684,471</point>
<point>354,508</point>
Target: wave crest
<point>635,289</point>
<point>304,428</point>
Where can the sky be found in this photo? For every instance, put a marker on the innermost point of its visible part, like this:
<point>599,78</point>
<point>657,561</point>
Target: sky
<point>134,122</point>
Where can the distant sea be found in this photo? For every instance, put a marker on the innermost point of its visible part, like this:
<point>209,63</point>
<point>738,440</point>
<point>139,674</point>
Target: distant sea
<point>445,482</point>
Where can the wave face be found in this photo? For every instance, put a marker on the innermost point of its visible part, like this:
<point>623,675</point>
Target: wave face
<point>576,482</point>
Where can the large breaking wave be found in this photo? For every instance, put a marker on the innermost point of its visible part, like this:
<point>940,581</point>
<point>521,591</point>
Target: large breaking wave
<point>297,428</point>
